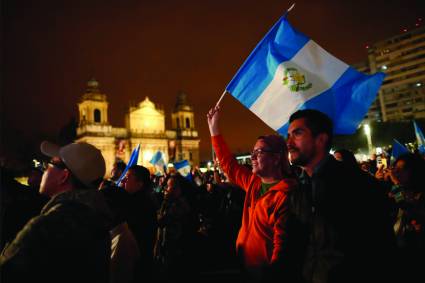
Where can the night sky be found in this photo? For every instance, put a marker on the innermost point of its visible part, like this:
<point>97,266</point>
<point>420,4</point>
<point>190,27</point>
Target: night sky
<point>157,48</point>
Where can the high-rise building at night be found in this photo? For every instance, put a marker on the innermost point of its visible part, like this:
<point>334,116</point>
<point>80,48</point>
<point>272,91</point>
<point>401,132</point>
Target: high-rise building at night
<point>402,58</point>
<point>145,125</point>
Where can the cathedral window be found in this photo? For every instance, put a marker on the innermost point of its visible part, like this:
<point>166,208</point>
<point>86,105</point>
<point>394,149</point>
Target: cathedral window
<point>97,116</point>
<point>187,123</point>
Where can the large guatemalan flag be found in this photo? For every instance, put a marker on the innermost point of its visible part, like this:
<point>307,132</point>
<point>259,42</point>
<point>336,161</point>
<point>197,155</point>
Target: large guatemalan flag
<point>288,71</point>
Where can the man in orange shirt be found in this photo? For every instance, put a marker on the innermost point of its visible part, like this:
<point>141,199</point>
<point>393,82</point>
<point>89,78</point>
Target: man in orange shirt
<point>264,244</point>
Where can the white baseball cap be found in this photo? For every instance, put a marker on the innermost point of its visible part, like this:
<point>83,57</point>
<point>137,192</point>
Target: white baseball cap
<point>84,160</point>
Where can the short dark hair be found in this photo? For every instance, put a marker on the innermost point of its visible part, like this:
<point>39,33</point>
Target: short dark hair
<point>117,199</point>
<point>120,165</point>
<point>317,122</point>
<point>142,174</point>
<point>347,157</point>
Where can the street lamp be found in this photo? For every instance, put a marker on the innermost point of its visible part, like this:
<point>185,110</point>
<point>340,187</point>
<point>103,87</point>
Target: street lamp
<point>368,136</point>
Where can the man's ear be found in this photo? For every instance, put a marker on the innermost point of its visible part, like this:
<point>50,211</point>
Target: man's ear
<point>322,140</point>
<point>66,174</point>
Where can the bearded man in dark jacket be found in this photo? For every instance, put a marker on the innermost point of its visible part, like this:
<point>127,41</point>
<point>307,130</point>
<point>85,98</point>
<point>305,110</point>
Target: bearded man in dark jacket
<point>346,219</point>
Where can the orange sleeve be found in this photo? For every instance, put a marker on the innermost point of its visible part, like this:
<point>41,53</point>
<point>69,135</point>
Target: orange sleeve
<point>238,174</point>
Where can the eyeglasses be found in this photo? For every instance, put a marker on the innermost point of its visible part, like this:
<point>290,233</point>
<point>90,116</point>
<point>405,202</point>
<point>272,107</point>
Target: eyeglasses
<point>59,165</point>
<point>261,151</point>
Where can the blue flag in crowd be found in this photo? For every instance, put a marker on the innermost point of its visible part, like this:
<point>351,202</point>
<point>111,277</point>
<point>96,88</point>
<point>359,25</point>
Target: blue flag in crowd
<point>133,161</point>
<point>159,162</point>
<point>397,150</point>
<point>288,71</point>
<point>183,167</point>
<point>420,138</point>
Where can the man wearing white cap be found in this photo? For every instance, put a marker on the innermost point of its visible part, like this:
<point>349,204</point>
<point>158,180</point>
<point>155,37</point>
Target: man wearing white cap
<point>69,241</point>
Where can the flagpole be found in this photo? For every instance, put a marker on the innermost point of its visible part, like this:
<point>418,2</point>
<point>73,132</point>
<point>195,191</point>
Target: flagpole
<point>221,97</point>
<point>290,8</point>
<point>275,25</point>
<point>217,104</point>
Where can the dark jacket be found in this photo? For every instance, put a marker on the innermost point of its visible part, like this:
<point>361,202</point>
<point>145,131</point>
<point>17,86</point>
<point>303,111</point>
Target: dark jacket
<point>68,242</point>
<point>347,224</point>
<point>142,222</point>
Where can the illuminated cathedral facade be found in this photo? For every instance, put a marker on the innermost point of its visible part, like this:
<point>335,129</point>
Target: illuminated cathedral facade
<point>144,125</point>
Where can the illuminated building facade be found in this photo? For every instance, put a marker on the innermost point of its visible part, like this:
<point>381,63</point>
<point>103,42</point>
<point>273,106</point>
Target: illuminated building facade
<point>145,125</point>
<point>402,58</point>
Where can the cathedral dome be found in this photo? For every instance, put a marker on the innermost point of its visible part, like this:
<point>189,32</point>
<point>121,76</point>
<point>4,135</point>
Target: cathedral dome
<point>93,91</point>
<point>182,104</point>
<point>147,103</point>
<point>93,84</point>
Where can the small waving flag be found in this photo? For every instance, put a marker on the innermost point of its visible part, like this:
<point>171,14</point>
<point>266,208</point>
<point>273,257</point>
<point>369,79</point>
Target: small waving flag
<point>133,161</point>
<point>159,162</point>
<point>183,167</point>
<point>420,138</point>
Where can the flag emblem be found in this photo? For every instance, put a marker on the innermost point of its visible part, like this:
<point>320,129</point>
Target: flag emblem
<point>294,80</point>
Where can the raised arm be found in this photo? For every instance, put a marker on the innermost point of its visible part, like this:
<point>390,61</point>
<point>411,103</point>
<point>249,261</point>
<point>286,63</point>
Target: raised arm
<point>213,117</point>
<point>238,174</point>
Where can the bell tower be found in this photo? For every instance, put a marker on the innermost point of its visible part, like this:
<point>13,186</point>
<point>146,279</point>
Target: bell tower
<point>93,108</point>
<point>183,123</point>
<point>93,125</point>
<point>182,118</point>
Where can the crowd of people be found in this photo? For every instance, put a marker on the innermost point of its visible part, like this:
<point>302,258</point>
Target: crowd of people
<point>297,213</point>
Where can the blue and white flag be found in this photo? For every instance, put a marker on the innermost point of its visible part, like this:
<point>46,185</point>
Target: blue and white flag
<point>420,138</point>
<point>397,150</point>
<point>133,161</point>
<point>288,71</point>
<point>159,162</point>
<point>183,167</point>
